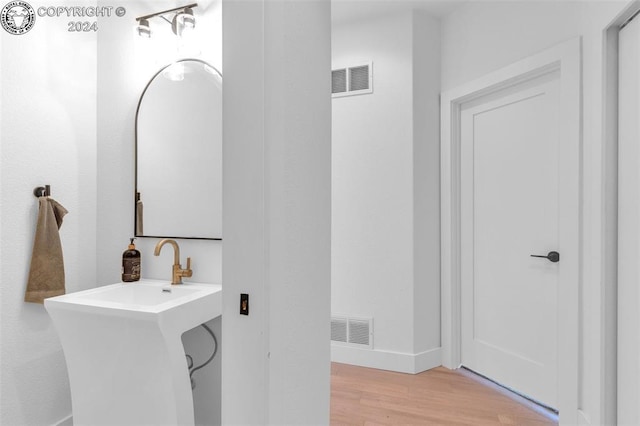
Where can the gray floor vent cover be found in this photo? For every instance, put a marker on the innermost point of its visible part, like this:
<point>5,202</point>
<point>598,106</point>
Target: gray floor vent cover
<point>352,331</point>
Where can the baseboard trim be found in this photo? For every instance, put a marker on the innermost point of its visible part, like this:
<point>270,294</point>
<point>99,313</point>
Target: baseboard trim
<point>66,421</point>
<point>387,360</point>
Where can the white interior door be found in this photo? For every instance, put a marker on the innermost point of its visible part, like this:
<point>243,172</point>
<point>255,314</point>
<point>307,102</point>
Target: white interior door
<point>511,169</point>
<point>510,187</point>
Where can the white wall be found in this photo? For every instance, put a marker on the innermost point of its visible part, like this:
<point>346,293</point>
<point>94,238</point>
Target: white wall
<point>372,198</point>
<point>48,137</point>
<point>276,212</point>
<point>426,186</point>
<point>481,37</point>
<point>385,186</point>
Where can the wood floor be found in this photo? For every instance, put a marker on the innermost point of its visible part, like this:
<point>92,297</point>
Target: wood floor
<point>364,396</point>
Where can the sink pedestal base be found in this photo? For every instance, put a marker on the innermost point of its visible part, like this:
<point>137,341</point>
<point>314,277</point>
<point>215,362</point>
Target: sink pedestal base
<point>129,375</point>
<point>124,353</point>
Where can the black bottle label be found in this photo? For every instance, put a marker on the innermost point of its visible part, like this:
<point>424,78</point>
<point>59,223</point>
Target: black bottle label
<point>131,269</point>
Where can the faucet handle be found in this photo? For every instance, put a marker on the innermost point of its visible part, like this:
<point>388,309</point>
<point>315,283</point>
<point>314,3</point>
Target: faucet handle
<point>187,272</point>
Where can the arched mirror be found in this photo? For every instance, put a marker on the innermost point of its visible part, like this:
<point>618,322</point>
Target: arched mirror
<point>179,153</point>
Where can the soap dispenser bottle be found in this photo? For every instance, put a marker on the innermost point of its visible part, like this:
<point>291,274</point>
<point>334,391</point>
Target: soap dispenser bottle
<point>131,264</point>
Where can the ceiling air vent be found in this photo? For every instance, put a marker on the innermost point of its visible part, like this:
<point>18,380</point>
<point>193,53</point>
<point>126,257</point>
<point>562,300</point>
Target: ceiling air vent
<point>355,80</point>
<point>352,331</point>
<point>359,78</point>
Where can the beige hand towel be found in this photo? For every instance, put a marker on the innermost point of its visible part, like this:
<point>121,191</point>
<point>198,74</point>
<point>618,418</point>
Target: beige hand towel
<point>46,276</point>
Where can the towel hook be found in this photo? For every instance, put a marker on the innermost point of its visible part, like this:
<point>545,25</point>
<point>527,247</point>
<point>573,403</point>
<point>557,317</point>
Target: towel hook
<point>42,191</point>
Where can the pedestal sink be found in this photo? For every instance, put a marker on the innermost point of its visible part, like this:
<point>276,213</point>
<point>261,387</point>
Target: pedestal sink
<point>122,343</point>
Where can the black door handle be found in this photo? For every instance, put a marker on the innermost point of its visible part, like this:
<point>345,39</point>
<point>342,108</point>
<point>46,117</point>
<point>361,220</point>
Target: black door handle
<point>553,256</point>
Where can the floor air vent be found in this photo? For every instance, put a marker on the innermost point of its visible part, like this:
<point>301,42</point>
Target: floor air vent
<point>355,80</point>
<point>352,331</point>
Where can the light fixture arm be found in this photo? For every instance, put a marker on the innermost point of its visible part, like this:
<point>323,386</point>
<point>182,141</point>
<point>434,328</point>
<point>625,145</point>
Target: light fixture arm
<point>175,9</point>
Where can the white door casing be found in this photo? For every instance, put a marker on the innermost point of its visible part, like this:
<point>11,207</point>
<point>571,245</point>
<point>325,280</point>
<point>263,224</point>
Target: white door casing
<point>509,209</point>
<point>563,59</point>
<point>628,224</point>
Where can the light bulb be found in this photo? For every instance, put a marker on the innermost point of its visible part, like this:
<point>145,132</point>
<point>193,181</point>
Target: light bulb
<point>186,18</point>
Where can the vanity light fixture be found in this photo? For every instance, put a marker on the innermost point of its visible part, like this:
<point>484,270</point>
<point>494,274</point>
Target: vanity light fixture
<point>182,19</point>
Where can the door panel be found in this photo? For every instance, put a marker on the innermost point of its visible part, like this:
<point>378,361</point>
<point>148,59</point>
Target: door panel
<point>510,207</point>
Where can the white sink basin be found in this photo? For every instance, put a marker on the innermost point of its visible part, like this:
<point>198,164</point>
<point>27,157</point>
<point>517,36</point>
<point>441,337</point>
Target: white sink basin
<point>146,296</point>
<point>187,305</point>
<point>124,353</point>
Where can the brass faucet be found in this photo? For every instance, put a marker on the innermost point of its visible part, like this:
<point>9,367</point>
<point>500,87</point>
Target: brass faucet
<point>178,272</point>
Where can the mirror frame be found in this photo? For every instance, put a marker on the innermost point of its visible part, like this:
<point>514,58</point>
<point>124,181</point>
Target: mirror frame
<point>135,156</point>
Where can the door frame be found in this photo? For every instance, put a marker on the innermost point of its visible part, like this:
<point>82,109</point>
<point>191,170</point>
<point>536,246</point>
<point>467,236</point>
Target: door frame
<point>615,329</point>
<point>565,58</point>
